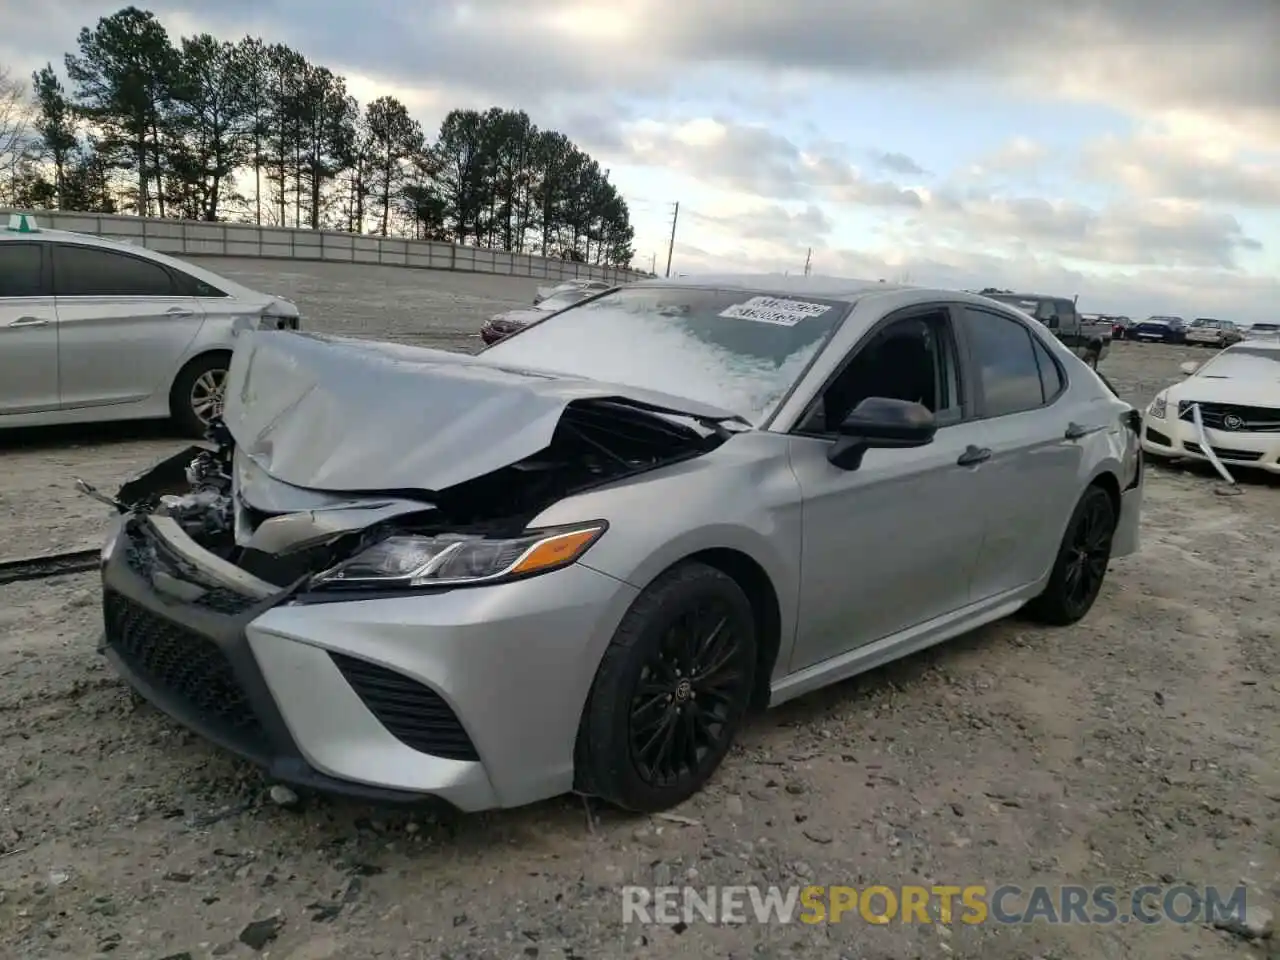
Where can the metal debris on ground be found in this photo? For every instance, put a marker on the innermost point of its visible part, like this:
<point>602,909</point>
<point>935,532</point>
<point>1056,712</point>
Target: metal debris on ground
<point>49,565</point>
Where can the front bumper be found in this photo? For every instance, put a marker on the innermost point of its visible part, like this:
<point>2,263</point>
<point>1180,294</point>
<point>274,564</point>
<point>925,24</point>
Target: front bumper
<point>1172,436</point>
<point>472,696</point>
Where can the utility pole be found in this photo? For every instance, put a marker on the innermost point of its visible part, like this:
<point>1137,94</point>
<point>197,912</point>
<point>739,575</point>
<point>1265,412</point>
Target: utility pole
<point>675,216</point>
<point>653,264</point>
<point>808,262</point>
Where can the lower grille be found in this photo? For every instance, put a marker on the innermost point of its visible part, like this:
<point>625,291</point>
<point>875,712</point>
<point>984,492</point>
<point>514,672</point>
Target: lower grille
<point>1225,453</point>
<point>1155,436</point>
<point>414,714</point>
<point>183,664</point>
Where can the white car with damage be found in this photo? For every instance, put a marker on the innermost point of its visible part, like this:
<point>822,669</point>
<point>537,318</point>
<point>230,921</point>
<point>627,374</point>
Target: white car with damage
<point>1230,403</point>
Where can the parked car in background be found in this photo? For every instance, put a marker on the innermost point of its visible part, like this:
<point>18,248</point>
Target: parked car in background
<point>590,286</point>
<point>94,330</point>
<point>1088,339</point>
<point>1119,326</point>
<point>577,560</point>
<point>1116,323</point>
<point>1263,331</point>
<point>1159,330</point>
<point>502,325</point>
<point>1238,393</point>
<point>1208,332</point>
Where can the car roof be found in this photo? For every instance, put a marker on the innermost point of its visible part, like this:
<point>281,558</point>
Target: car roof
<point>1025,296</point>
<point>225,284</point>
<point>829,288</point>
<point>1273,345</point>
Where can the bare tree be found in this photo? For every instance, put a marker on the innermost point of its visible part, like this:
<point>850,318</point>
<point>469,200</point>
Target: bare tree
<point>15,142</point>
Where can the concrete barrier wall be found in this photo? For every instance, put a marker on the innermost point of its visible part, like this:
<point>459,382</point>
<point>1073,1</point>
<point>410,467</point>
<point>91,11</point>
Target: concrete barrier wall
<point>198,239</point>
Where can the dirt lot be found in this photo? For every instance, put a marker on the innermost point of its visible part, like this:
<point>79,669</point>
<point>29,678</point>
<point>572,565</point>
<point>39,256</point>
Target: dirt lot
<point>1139,747</point>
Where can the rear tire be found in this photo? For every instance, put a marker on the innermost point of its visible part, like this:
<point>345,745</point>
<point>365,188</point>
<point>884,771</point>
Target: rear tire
<point>670,692</point>
<point>1081,564</point>
<point>197,393</point>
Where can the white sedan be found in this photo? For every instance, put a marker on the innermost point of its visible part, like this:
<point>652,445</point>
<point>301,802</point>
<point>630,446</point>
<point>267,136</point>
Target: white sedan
<point>1237,396</point>
<point>94,330</point>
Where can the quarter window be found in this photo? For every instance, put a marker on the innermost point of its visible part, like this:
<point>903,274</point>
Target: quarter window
<point>20,269</point>
<point>1004,352</point>
<point>93,272</point>
<point>1051,380</point>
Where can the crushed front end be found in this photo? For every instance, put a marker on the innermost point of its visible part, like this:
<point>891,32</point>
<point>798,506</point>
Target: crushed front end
<point>280,623</point>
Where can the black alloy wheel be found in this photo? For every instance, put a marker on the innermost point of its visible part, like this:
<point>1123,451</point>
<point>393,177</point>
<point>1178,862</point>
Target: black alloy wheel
<point>1081,565</point>
<point>670,692</point>
<point>687,696</point>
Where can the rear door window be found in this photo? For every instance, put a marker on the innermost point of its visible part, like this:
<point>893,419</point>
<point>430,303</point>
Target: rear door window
<point>95,272</point>
<point>1004,353</point>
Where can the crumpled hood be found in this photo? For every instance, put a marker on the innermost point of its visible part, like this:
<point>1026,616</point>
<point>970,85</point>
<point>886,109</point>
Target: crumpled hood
<point>337,414</point>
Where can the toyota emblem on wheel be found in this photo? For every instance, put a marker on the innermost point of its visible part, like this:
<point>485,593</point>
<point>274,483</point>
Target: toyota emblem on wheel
<point>1232,422</point>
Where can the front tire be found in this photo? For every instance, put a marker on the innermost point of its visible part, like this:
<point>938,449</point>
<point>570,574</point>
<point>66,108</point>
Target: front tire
<point>670,692</point>
<point>1081,564</point>
<point>197,394</point>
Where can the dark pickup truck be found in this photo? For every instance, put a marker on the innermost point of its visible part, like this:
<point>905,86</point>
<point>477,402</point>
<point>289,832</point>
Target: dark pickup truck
<point>1088,339</point>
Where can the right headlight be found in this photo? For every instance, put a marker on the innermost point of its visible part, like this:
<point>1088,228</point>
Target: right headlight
<point>1159,405</point>
<point>458,559</point>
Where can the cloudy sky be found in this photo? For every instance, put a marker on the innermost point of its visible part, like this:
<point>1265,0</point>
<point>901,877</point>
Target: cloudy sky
<point>1127,151</point>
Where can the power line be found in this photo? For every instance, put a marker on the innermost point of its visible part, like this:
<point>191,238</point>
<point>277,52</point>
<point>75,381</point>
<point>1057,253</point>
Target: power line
<point>675,216</point>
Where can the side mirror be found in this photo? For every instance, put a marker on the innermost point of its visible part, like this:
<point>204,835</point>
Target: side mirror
<point>1189,367</point>
<point>879,422</point>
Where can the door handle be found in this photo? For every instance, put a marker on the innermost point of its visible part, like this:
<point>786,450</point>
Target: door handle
<point>974,455</point>
<point>1075,431</point>
<point>178,312</point>
<point>30,322</point>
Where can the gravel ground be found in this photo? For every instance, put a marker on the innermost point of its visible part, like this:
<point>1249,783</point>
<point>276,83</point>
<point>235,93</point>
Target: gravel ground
<point>1138,747</point>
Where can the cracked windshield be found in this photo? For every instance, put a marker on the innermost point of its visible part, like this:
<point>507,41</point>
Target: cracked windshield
<point>734,349</point>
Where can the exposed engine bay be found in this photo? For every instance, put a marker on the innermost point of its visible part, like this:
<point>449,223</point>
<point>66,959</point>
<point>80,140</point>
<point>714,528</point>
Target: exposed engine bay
<point>284,535</point>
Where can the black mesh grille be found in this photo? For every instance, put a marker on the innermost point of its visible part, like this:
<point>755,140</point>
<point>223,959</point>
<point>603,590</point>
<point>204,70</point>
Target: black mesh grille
<point>1231,416</point>
<point>182,664</point>
<point>414,714</point>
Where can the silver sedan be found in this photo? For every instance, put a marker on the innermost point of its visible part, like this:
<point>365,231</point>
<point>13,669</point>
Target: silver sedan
<point>93,330</point>
<point>575,561</point>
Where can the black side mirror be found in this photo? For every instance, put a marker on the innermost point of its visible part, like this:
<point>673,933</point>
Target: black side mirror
<point>880,422</point>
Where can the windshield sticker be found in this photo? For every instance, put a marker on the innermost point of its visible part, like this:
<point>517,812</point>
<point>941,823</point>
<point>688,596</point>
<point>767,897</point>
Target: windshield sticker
<point>784,313</point>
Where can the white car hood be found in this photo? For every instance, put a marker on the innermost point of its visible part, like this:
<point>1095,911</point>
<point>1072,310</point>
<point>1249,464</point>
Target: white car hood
<point>344,415</point>
<point>1249,393</point>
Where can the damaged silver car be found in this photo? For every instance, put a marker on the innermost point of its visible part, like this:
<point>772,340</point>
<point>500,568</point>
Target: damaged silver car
<point>577,560</point>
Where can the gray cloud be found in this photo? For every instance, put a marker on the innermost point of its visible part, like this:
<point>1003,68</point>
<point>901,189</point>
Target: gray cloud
<point>1170,235</point>
<point>1191,55</point>
<point>898,163</point>
<point>1157,167</point>
<point>754,160</point>
<point>773,224</point>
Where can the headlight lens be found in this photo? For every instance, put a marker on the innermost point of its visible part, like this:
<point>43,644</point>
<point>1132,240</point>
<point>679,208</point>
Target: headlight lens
<point>1158,406</point>
<point>458,559</point>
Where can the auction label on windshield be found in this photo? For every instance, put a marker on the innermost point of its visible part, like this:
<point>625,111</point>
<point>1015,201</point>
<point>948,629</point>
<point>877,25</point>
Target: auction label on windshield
<point>783,312</point>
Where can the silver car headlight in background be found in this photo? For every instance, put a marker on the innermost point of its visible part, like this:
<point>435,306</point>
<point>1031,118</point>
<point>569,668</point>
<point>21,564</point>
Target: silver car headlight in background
<point>457,559</point>
<point>1159,406</point>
